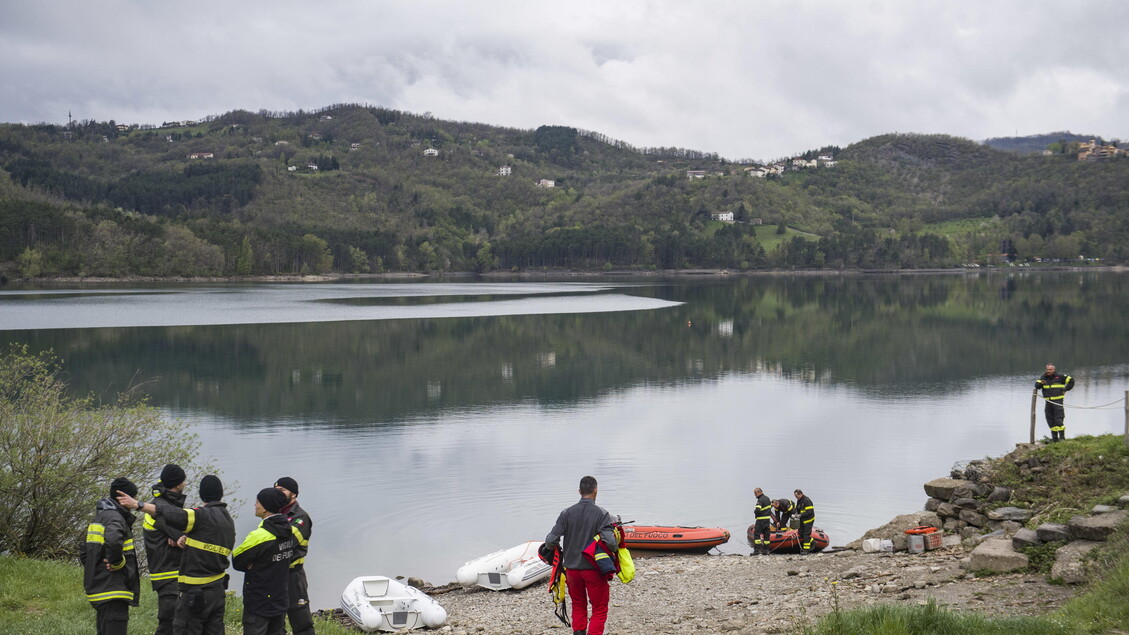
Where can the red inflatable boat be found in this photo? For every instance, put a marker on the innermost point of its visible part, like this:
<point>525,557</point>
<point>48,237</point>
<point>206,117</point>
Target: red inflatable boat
<point>788,541</point>
<point>673,538</point>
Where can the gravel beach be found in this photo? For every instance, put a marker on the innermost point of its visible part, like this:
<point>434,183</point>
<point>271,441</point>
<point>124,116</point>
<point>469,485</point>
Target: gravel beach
<point>682,593</point>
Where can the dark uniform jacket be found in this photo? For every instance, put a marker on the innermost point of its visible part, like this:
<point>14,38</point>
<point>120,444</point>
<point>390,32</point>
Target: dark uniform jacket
<point>763,509</point>
<point>300,521</point>
<point>781,515</point>
<point>578,525</point>
<point>210,533</point>
<point>806,509</point>
<point>265,554</point>
<point>164,561</point>
<point>110,536</point>
<point>1054,386</point>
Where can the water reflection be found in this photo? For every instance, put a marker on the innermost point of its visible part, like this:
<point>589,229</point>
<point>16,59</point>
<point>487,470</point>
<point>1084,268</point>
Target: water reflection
<point>421,442</point>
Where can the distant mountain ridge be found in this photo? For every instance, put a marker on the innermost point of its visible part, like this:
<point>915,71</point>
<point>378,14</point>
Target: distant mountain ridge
<point>1037,143</point>
<point>355,189</point>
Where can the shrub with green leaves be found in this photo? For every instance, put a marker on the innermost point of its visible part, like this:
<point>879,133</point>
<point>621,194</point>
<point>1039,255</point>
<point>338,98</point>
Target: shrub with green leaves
<point>58,453</point>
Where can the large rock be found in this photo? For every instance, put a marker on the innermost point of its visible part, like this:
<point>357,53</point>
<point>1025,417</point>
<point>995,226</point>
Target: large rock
<point>1103,509</point>
<point>947,510</point>
<point>964,491</point>
<point>1025,538</point>
<point>1123,501</point>
<point>943,488</point>
<point>898,526</point>
<point>953,525</point>
<point>971,470</point>
<point>975,519</point>
<point>969,503</point>
<point>1070,561</point>
<point>1009,527</point>
<point>996,554</point>
<point>1053,532</point>
<point>999,494</point>
<point>931,504</point>
<point>1096,527</point>
<point>1010,513</point>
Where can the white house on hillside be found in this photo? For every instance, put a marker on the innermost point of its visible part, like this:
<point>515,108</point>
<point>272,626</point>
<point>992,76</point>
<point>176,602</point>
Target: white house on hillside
<point>431,152</point>
<point>546,183</point>
<point>505,170</point>
<point>725,217</point>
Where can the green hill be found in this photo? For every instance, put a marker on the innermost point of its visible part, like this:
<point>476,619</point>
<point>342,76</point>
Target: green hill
<point>353,188</point>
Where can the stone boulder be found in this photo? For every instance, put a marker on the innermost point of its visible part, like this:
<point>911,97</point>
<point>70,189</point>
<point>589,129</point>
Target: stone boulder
<point>996,554</point>
<point>1025,538</point>
<point>1010,513</point>
<point>1070,561</point>
<point>1053,532</point>
<point>975,519</point>
<point>931,504</point>
<point>1123,501</point>
<point>999,495</point>
<point>1103,509</point>
<point>947,510</point>
<point>943,488</point>
<point>898,526</point>
<point>970,470</point>
<point>1096,527</point>
<point>969,503</point>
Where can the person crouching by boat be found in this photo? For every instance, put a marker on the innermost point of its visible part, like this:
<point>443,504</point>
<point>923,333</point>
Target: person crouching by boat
<point>761,524</point>
<point>578,525</point>
<point>782,509</point>
<point>807,520</point>
<point>301,622</point>
<point>265,556</point>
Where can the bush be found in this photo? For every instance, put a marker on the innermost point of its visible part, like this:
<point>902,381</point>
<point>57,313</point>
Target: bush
<point>58,453</point>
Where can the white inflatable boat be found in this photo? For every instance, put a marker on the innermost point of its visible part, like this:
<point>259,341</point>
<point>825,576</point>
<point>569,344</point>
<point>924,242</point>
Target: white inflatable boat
<point>377,603</point>
<point>513,568</point>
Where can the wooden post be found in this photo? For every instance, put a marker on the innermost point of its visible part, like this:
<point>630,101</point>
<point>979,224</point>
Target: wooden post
<point>1034,400</point>
<point>1127,417</point>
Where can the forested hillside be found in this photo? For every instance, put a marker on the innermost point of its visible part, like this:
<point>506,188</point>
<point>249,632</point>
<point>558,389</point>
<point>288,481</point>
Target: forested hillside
<point>360,189</point>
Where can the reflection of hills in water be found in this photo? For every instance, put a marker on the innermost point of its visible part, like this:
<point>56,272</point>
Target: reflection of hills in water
<point>911,334</point>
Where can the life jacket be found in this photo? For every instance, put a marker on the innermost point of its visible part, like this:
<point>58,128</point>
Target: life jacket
<point>609,561</point>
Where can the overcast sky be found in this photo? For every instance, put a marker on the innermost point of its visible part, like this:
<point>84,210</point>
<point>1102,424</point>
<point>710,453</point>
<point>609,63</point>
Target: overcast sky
<point>757,79</point>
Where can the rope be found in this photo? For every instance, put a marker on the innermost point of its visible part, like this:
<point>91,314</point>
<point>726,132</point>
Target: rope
<point>1063,405</point>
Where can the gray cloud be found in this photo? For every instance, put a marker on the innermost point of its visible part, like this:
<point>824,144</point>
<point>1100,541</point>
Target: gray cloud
<point>744,79</point>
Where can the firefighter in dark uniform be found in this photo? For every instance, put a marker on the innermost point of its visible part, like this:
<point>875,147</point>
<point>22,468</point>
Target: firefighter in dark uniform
<point>301,622</point>
<point>209,535</point>
<point>807,520</point>
<point>161,548</point>
<point>1054,386</point>
<point>782,509</point>
<point>761,523</point>
<point>109,562</point>
<point>265,556</point>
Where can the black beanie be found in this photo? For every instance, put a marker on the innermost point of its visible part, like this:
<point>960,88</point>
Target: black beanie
<point>288,483</point>
<point>211,489</point>
<point>271,499</point>
<point>124,485</point>
<point>172,476</point>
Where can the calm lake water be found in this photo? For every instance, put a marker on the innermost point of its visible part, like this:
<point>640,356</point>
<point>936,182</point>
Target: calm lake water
<point>430,423</point>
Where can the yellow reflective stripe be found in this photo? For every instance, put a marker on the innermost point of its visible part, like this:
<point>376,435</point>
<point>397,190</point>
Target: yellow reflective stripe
<point>294,563</point>
<point>96,532</point>
<point>149,522</point>
<point>1057,397</point>
<point>128,545</point>
<point>191,580</point>
<point>809,507</point>
<point>810,520</point>
<point>164,575</point>
<point>203,546</point>
<point>601,555</point>
<point>191,520</point>
<point>298,534</point>
<point>110,595</point>
<point>118,566</point>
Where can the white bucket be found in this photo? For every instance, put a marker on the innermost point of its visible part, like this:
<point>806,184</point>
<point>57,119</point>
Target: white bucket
<point>870,545</point>
<point>916,543</point>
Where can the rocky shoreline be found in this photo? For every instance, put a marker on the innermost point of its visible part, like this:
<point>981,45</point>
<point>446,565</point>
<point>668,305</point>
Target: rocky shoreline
<point>759,594</point>
<point>679,593</point>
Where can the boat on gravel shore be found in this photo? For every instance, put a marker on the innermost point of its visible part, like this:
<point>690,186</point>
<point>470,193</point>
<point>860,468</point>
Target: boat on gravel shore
<point>668,538</point>
<point>788,540</point>
<point>379,603</point>
<point>513,568</point>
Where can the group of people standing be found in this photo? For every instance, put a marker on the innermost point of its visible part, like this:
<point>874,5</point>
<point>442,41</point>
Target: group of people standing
<point>771,515</point>
<point>189,551</point>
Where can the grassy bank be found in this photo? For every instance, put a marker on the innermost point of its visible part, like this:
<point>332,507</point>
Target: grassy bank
<point>42,596</point>
<point>1078,474</point>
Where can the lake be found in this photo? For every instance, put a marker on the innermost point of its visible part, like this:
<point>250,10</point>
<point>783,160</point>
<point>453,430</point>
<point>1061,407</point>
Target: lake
<point>429,423</point>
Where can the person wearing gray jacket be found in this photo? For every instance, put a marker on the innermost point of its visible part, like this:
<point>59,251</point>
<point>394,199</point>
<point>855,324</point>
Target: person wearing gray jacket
<point>579,525</point>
